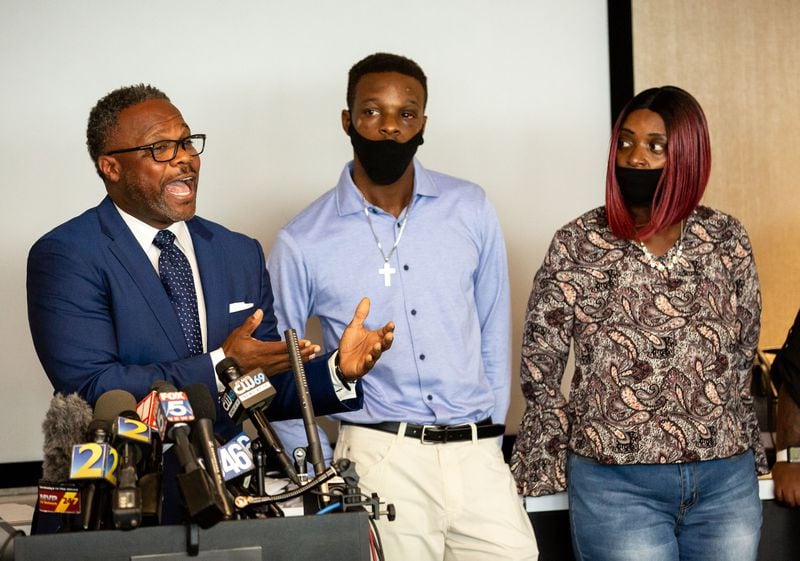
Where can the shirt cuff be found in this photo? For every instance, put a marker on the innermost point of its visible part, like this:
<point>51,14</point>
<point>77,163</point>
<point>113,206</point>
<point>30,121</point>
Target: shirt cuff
<point>216,357</point>
<point>342,392</point>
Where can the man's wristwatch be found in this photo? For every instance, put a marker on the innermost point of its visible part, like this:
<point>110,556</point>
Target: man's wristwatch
<point>345,382</point>
<point>790,455</point>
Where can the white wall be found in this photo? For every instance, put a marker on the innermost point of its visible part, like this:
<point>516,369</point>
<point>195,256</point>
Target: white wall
<point>518,102</point>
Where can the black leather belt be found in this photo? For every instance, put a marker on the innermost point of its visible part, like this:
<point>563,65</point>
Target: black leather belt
<point>438,434</point>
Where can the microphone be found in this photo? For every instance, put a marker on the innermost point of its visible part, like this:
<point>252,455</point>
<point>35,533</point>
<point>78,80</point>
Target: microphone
<point>131,439</point>
<point>65,425</point>
<point>205,415</point>
<point>235,458</point>
<point>195,484</point>
<point>150,414</point>
<point>306,407</point>
<point>244,391</point>
<point>95,463</point>
<point>253,393</point>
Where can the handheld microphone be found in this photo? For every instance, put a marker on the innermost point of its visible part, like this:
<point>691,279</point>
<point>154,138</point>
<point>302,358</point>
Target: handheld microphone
<point>194,484</point>
<point>94,463</point>
<point>235,458</point>
<point>151,415</point>
<point>131,439</point>
<point>253,392</point>
<point>205,414</point>
<point>243,392</point>
<point>65,424</point>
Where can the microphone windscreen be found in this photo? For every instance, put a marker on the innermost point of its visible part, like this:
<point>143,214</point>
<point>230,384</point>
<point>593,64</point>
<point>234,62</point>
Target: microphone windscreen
<point>99,425</point>
<point>227,363</point>
<point>201,401</point>
<point>156,384</point>
<point>163,386</point>
<point>112,404</point>
<point>65,425</point>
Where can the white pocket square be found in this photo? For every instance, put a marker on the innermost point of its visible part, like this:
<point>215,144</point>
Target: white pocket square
<point>239,306</point>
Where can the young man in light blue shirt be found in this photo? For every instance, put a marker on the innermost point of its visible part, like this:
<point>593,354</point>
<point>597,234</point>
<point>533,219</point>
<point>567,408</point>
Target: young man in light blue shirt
<point>427,249</point>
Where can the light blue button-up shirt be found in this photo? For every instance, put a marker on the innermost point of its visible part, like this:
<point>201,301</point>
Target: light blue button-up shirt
<point>449,296</point>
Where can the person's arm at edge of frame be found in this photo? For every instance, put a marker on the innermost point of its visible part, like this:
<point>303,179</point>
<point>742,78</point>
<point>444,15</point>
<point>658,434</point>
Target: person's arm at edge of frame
<point>786,476</point>
<point>786,372</point>
<point>539,462</point>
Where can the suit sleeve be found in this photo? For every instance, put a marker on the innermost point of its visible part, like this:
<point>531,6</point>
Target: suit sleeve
<point>81,312</point>
<point>71,317</point>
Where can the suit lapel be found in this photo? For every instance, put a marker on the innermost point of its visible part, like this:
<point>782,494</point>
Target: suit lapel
<point>211,262</point>
<point>130,255</point>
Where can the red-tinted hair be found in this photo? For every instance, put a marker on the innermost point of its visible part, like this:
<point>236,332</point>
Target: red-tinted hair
<point>686,170</point>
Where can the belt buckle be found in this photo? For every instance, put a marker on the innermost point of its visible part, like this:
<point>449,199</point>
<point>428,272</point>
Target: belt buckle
<point>422,434</point>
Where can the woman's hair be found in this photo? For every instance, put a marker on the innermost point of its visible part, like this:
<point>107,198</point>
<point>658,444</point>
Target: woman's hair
<point>686,170</point>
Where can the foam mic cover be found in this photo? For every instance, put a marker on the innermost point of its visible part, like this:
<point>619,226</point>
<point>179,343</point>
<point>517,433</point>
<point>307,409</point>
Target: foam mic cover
<point>65,425</point>
<point>201,401</point>
<point>205,414</point>
<point>113,404</point>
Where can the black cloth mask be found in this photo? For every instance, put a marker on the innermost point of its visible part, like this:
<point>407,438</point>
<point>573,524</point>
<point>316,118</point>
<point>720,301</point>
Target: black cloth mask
<point>384,161</point>
<point>638,186</point>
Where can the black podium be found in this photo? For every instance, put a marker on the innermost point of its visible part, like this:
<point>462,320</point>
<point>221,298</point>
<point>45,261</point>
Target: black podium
<point>331,537</point>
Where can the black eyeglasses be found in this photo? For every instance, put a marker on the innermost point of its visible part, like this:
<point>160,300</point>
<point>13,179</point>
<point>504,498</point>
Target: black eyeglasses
<point>166,150</point>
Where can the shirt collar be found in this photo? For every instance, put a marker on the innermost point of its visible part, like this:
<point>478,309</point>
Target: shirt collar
<point>144,233</point>
<point>348,197</point>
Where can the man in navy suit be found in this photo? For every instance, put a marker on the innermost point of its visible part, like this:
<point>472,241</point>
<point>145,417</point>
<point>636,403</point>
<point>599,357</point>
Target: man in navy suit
<point>101,318</point>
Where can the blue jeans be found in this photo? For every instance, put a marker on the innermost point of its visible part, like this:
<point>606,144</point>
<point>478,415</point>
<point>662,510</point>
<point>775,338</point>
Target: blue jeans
<point>700,511</point>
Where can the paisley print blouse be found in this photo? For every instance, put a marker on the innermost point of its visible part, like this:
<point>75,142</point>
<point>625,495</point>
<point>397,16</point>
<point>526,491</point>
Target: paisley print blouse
<point>662,358</point>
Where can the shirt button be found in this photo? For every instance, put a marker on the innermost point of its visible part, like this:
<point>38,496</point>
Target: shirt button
<point>422,357</point>
<point>430,397</point>
<point>413,312</point>
<point>405,267</point>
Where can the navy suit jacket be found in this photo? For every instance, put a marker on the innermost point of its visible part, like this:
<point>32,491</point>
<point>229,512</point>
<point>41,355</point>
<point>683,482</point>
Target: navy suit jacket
<point>101,320</point>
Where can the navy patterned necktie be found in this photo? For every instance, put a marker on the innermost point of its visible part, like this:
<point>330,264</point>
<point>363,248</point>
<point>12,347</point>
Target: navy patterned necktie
<point>176,276</point>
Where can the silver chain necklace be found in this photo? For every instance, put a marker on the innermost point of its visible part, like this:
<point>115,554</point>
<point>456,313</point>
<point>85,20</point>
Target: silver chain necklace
<point>387,271</point>
<point>672,256</point>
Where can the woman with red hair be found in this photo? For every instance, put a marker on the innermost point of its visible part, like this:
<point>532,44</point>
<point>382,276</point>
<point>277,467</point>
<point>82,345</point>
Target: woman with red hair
<point>660,299</point>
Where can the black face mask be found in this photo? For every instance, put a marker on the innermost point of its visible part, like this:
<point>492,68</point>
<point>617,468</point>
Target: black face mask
<point>384,160</point>
<point>638,186</point>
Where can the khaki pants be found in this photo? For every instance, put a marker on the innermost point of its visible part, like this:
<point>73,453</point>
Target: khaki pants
<point>454,501</point>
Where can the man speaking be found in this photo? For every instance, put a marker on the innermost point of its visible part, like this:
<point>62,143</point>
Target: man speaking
<point>139,289</point>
